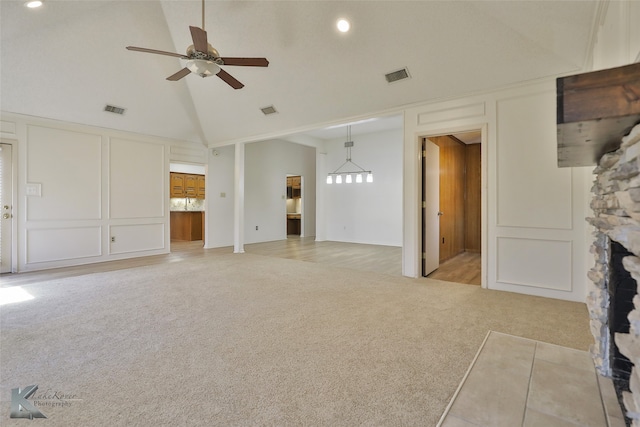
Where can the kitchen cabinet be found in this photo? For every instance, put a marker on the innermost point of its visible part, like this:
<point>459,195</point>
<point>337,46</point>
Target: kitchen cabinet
<point>187,225</point>
<point>200,187</point>
<point>190,186</point>
<point>294,187</point>
<point>177,185</point>
<point>293,224</point>
<point>187,185</point>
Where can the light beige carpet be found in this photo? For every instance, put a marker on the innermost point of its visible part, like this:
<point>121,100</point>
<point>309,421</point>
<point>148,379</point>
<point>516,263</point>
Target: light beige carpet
<point>237,340</point>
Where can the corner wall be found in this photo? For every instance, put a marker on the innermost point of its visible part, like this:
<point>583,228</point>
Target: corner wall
<point>267,165</point>
<point>369,213</point>
<point>87,194</point>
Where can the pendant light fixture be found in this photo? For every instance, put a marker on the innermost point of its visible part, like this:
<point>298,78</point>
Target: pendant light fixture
<point>349,173</point>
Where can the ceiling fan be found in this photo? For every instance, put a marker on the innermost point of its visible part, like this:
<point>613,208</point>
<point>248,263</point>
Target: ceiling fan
<point>204,60</point>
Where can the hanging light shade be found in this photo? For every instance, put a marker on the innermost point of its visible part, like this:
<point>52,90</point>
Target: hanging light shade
<point>349,174</point>
<point>203,67</point>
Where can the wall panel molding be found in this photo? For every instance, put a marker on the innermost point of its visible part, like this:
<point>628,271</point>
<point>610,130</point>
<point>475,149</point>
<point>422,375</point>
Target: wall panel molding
<point>532,192</point>
<point>535,263</point>
<point>136,238</point>
<point>64,243</point>
<point>454,113</point>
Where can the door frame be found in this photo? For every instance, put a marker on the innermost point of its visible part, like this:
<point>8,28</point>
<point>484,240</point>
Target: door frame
<point>14,201</point>
<point>302,213</point>
<point>484,168</point>
<point>168,187</point>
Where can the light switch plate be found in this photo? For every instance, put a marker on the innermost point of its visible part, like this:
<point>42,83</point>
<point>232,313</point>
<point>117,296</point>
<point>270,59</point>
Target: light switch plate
<point>34,190</point>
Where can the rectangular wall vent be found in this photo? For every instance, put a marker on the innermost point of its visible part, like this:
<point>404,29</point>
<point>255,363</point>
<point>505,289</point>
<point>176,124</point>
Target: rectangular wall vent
<point>395,76</point>
<point>269,110</point>
<point>113,109</point>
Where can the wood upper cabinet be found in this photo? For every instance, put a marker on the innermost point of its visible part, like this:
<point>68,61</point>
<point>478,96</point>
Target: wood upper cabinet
<point>200,189</point>
<point>295,187</point>
<point>177,185</point>
<point>187,185</point>
<point>190,186</point>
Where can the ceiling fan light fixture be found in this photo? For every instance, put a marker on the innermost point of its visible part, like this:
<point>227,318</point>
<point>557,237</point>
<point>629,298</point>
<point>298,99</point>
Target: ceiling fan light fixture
<point>203,67</point>
<point>32,4</point>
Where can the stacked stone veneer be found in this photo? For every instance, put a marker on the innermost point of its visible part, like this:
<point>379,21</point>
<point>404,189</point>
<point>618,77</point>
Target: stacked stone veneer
<point>616,207</point>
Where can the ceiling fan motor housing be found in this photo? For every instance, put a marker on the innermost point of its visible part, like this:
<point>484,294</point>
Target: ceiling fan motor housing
<point>211,55</point>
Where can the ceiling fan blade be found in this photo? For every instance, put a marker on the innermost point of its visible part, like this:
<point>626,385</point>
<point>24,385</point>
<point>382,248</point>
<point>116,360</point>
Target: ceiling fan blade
<point>231,81</point>
<point>246,62</point>
<point>180,74</point>
<point>199,37</point>
<point>159,52</point>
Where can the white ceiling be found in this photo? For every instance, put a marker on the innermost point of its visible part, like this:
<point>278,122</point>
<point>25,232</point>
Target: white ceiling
<point>67,60</point>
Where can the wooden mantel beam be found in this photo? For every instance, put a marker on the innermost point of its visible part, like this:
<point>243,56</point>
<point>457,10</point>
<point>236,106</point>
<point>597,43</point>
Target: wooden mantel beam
<point>594,111</point>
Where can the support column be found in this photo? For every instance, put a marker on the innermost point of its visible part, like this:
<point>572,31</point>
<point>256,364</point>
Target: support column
<point>238,202</point>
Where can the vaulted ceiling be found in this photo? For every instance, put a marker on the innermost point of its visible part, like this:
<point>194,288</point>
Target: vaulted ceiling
<point>67,59</point>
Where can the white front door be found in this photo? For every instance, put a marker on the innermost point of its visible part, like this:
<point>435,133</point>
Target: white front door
<point>430,207</point>
<point>6,208</point>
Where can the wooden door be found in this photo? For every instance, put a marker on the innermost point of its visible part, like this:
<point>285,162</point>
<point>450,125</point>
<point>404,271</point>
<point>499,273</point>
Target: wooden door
<point>473,191</point>
<point>452,202</point>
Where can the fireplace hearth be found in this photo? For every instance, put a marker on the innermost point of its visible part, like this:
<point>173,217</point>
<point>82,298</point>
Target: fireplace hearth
<point>613,300</point>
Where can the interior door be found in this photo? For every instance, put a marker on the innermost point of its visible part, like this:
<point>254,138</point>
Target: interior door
<point>6,211</point>
<point>430,207</point>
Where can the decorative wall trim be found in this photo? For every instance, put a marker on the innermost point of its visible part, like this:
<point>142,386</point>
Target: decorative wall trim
<point>455,113</point>
<point>553,255</point>
<point>136,238</point>
<point>7,128</point>
<point>62,243</point>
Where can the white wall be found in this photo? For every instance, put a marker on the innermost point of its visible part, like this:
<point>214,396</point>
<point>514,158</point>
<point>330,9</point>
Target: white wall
<point>103,194</point>
<point>534,233</point>
<point>186,168</point>
<point>618,38</point>
<point>368,213</point>
<point>220,195</point>
<point>267,165</point>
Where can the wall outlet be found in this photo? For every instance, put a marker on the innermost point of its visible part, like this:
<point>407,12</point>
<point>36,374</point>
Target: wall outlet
<point>256,228</point>
<point>113,239</point>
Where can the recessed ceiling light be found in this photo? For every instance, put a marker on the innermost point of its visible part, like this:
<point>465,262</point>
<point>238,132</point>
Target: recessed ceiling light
<point>32,4</point>
<point>343,25</point>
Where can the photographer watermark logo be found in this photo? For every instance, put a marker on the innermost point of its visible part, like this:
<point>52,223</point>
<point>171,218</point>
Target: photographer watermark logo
<point>21,407</point>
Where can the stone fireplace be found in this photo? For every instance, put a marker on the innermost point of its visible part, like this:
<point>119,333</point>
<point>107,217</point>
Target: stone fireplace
<point>613,300</point>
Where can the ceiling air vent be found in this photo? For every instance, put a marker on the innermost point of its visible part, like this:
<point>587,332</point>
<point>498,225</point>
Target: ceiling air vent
<point>113,109</point>
<point>395,76</point>
<point>269,110</point>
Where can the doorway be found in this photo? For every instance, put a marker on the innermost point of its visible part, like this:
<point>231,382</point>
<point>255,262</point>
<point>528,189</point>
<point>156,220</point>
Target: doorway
<point>6,208</point>
<point>187,204</point>
<point>294,206</point>
<point>453,252</point>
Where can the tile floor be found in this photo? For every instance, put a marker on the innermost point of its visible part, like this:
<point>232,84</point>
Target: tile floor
<point>520,382</point>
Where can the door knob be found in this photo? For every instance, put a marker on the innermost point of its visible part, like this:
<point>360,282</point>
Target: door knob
<point>440,213</point>
<point>6,216</point>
